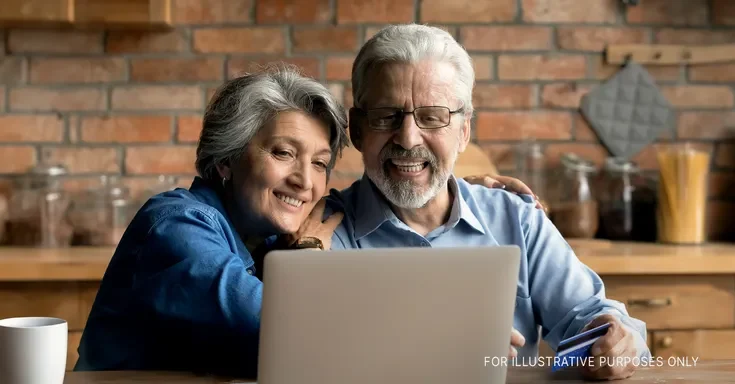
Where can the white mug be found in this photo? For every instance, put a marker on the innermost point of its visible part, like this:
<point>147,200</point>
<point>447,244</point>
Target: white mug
<point>33,350</point>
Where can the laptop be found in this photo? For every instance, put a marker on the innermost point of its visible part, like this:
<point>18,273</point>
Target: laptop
<point>387,315</point>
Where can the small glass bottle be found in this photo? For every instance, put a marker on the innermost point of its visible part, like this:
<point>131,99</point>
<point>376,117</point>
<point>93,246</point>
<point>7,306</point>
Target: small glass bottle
<point>574,210</point>
<point>38,211</point>
<point>532,170</point>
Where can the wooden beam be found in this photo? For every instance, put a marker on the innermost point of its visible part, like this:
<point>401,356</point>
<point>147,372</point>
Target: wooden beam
<point>669,54</point>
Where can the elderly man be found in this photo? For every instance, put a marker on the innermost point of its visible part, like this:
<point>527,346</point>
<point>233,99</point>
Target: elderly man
<point>412,89</point>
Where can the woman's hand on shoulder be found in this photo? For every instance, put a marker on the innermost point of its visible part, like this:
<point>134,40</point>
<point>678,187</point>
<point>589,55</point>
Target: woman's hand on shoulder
<point>508,183</point>
<point>314,227</point>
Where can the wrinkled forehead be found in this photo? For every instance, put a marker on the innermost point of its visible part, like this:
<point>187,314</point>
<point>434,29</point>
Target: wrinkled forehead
<point>411,85</point>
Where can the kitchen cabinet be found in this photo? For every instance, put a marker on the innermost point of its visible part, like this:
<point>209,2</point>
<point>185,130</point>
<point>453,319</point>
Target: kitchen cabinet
<point>108,14</point>
<point>686,295</point>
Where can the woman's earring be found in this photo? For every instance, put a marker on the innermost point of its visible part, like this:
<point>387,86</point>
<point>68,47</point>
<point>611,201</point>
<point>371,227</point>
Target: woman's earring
<point>224,181</point>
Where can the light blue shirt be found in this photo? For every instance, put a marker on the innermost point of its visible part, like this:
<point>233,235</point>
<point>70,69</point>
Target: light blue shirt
<point>556,291</point>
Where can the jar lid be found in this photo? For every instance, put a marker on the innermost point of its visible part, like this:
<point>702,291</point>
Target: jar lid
<point>574,162</point>
<point>49,170</point>
<point>617,164</point>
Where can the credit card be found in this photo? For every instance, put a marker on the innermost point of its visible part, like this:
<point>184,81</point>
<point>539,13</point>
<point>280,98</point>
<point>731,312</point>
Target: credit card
<point>575,351</point>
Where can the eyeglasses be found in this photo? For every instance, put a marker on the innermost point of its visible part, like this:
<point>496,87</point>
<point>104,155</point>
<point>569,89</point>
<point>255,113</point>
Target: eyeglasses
<point>388,119</point>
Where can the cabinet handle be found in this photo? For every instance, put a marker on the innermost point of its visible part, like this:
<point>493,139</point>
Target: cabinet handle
<point>667,342</point>
<point>650,303</point>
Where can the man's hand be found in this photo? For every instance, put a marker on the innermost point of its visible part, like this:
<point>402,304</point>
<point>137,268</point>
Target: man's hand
<point>510,184</point>
<point>516,341</point>
<point>313,226</point>
<point>615,348</point>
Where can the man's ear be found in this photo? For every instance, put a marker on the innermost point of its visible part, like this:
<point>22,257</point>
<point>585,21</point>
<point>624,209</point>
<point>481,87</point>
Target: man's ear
<point>355,131</point>
<point>466,134</point>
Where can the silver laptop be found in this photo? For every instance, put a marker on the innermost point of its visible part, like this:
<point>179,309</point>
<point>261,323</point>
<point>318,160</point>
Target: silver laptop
<point>388,315</point>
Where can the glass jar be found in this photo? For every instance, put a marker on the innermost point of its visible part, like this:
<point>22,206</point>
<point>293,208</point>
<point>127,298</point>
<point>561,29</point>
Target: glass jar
<point>532,170</point>
<point>38,212</point>
<point>102,214</point>
<point>627,203</point>
<point>574,210</point>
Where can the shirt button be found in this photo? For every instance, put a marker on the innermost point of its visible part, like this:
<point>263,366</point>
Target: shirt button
<point>250,271</point>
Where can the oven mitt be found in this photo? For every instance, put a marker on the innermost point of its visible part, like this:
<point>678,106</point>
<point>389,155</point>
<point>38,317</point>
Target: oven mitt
<point>628,112</point>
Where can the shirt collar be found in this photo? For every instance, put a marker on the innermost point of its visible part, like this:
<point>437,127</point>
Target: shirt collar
<point>208,192</point>
<point>372,210</point>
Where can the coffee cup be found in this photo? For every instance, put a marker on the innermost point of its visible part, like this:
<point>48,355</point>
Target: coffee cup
<point>33,350</point>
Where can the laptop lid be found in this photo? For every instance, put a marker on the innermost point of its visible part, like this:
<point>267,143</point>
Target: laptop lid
<point>387,315</point>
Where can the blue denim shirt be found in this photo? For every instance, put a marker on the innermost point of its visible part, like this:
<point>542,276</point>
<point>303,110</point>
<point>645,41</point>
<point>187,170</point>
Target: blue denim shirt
<point>178,294</point>
<point>555,292</point>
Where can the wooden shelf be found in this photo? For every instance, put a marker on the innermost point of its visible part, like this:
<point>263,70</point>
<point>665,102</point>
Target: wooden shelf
<point>86,14</point>
<point>604,257</point>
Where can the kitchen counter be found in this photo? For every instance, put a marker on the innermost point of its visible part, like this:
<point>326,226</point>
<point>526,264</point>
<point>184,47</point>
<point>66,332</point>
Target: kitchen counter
<point>604,257</point>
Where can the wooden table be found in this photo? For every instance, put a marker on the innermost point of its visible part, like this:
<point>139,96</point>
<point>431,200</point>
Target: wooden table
<point>711,372</point>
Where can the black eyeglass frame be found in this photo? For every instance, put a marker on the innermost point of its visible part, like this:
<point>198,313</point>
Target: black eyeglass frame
<point>399,120</point>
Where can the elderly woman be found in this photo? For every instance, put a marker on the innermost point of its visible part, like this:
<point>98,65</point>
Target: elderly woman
<point>182,291</point>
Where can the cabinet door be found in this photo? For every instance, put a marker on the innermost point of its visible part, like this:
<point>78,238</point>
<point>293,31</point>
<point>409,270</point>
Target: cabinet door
<point>705,344</point>
<point>39,12</point>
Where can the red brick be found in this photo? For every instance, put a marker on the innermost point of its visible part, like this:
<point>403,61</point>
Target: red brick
<point>210,93</point>
<point>12,70</point>
<point>506,38</point>
<point>157,97</point>
<point>523,125</point>
<point>211,11</point>
<point>125,129</point>
<point>467,11</point>
<point>350,163</point>
<point>154,160</point>
<point>180,69</point>
<point>293,11</point>
<point>722,73</point>
<point>49,99</point>
<point>147,42</point>
<point>84,160</point>
<point>503,156</point>
<point>582,129</point>
<point>349,101</point>
<point>569,11</point>
<point>694,36</point>
<point>76,70</point>
<point>566,95</point>
<point>725,155</point>
<point>601,70</point>
<point>503,96</point>
<point>669,12</point>
<point>240,40</point>
<point>339,67</point>
<point>17,159</point>
<point>706,125</point>
<point>2,98</point>
<point>372,30</point>
<point>541,67</point>
<point>722,185</point>
<point>719,221</point>
<point>598,38</point>
<point>53,41</point>
<point>189,128</point>
<point>375,11</point>
<point>592,152</point>
<point>35,128</point>
<point>324,39</point>
<point>238,66</point>
<point>483,66</point>
<point>723,12</point>
<point>699,96</point>
<point>337,91</point>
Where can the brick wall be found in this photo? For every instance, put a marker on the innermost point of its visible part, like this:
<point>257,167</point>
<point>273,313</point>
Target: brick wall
<point>130,103</point>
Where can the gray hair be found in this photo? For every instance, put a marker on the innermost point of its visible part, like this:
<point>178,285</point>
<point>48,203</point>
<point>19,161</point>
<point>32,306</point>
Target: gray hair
<point>412,43</point>
<point>244,105</point>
